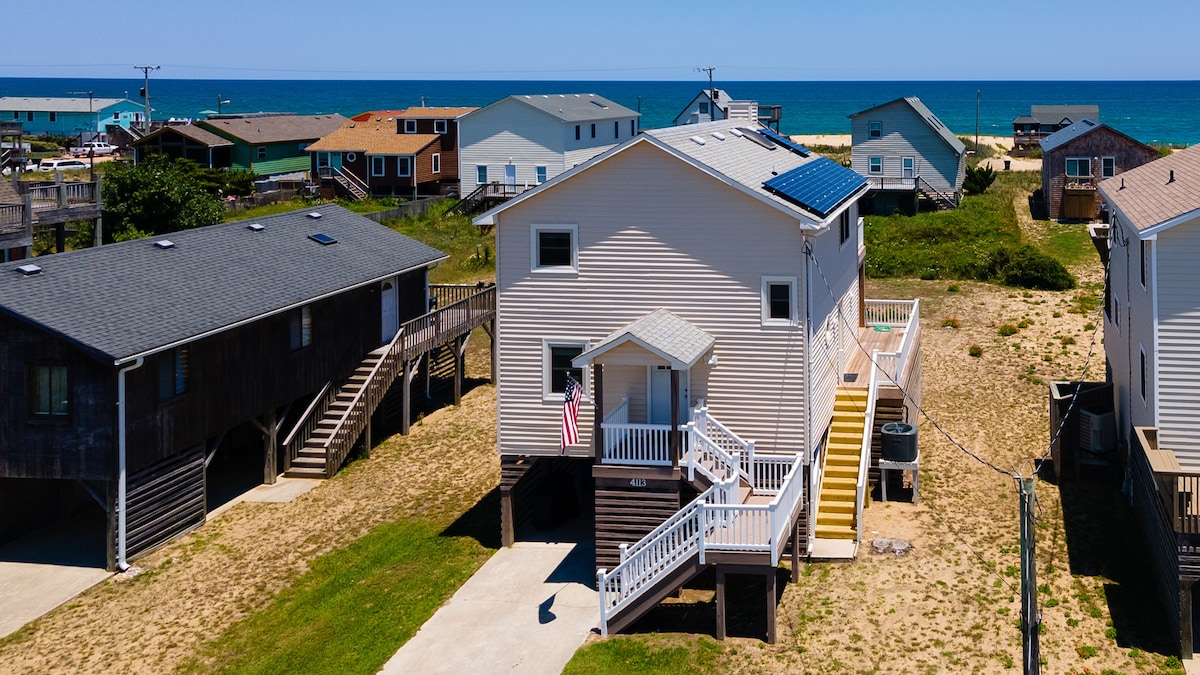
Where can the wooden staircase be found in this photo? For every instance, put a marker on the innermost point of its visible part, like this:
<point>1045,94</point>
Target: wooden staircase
<point>941,200</point>
<point>355,190</point>
<point>836,506</point>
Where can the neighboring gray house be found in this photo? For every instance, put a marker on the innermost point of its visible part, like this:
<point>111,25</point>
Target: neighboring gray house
<point>1151,339</point>
<point>716,104</point>
<point>519,142</point>
<point>1043,120</point>
<point>691,274</point>
<point>906,154</point>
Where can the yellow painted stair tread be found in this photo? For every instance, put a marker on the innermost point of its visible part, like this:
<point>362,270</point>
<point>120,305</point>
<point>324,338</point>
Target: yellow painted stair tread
<point>835,533</point>
<point>837,507</point>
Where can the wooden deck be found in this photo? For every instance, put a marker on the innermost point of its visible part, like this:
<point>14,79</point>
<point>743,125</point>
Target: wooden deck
<point>858,362</point>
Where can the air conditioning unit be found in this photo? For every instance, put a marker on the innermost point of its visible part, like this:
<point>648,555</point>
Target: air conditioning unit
<point>1097,432</point>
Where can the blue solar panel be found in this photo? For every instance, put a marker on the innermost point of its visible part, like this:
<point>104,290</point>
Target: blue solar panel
<point>819,186</point>
<point>786,142</point>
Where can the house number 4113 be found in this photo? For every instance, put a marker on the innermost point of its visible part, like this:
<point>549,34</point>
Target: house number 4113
<point>637,482</point>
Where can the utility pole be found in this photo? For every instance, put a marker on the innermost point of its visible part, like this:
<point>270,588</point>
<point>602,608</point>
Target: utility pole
<point>146,89</point>
<point>220,102</point>
<point>709,70</point>
<point>1030,618</point>
<point>95,130</point>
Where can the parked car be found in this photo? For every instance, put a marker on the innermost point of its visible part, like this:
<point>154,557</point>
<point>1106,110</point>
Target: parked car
<point>94,148</point>
<point>61,165</point>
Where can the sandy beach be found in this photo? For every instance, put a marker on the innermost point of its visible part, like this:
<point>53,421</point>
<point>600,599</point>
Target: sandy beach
<point>1003,145</point>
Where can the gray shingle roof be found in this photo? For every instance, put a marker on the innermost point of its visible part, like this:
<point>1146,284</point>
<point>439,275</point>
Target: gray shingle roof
<point>1068,134</point>
<point>576,107</point>
<point>661,332</point>
<point>201,136</point>
<point>274,128</point>
<point>1053,114</point>
<point>1155,194</point>
<point>930,119</point>
<point>132,298</point>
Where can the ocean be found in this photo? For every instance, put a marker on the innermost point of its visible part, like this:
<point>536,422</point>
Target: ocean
<point>1152,112</point>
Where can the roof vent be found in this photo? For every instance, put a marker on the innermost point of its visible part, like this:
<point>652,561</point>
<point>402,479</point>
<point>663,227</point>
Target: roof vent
<point>29,270</point>
<point>1172,178</point>
<point>718,135</point>
<point>697,140</point>
<point>352,125</point>
<point>314,215</point>
<point>322,239</point>
<point>736,132</point>
<point>164,243</point>
<point>598,103</point>
<point>255,227</point>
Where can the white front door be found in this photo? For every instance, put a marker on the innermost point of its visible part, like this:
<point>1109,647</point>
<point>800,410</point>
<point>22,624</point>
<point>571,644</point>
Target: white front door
<point>389,311</point>
<point>660,395</point>
<point>510,176</point>
<point>907,164</point>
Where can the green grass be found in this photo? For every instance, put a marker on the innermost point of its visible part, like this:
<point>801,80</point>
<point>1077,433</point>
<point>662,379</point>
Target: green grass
<point>362,206</point>
<point>353,609</point>
<point>652,655</point>
<point>1070,244</point>
<point>472,255</point>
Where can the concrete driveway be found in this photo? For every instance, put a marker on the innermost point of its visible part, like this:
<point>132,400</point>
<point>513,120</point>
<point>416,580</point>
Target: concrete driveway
<point>47,568</point>
<point>525,611</point>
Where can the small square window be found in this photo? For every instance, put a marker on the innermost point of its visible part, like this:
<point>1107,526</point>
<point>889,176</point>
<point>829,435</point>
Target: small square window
<point>49,392</point>
<point>875,129</point>
<point>557,355</point>
<point>541,174</point>
<point>173,373</point>
<point>437,163</point>
<point>703,107</point>
<point>403,166</point>
<point>117,116</point>
<point>410,126</point>
<point>300,325</point>
<point>779,301</point>
<point>439,126</point>
<point>875,165</point>
<point>261,152</point>
<point>554,248</point>
<point>481,174</point>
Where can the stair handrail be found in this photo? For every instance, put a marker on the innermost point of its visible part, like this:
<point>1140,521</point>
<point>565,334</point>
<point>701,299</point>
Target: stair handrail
<point>308,422</point>
<point>707,457</point>
<point>864,456</point>
<point>732,444</point>
<point>469,201</point>
<point>352,178</point>
<point>941,195</point>
<point>344,434</point>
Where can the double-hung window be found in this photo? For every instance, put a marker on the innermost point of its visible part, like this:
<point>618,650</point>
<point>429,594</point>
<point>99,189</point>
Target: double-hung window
<point>875,165</point>
<point>1079,169</point>
<point>779,301</point>
<point>1108,167</point>
<point>410,126</point>
<point>260,152</point>
<point>378,166</point>
<point>49,392</point>
<point>541,174</point>
<point>403,166</point>
<point>554,248</point>
<point>556,364</point>
<point>593,131</point>
<point>437,163</point>
<point>844,227</point>
<point>480,174</point>
<point>875,129</point>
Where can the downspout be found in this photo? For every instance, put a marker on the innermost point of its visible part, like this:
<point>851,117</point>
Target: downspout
<point>122,564</point>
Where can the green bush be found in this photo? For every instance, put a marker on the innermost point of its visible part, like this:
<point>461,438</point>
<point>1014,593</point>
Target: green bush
<point>44,146</point>
<point>978,179</point>
<point>975,351</point>
<point>1027,267</point>
<point>1035,152</point>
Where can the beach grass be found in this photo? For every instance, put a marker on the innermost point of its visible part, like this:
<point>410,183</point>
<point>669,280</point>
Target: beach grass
<point>472,253</point>
<point>665,655</point>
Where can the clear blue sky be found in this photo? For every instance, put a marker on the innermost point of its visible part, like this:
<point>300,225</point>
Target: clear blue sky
<point>607,40</point>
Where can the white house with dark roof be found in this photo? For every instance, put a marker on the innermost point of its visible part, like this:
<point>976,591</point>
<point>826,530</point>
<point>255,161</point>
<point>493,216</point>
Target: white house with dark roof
<point>906,152</point>
<point>714,104</point>
<point>522,141</point>
<point>1152,346</point>
<point>703,283</point>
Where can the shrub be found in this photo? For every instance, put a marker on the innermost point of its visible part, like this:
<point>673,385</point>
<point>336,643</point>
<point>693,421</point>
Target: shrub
<point>1027,267</point>
<point>975,351</point>
<point>950,322</point>
<point>1067,340</point>
<point>952,288</point>
<point>978,179</point>
<point>44,146</point>
<point>1007,329</point>
<point>1086,651</point>
<point>1089,326</point>
<point>1035,152</point>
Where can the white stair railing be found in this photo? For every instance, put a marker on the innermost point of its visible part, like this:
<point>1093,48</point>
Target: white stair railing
<point>864,457</point>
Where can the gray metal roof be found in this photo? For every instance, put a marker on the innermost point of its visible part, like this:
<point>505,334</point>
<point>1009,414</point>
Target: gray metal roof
<point>58,104</point>
<point>576,107</point>
<point>132,298</point>
<point>930,119</point>
<point>1068,134</point>
<point>1054,114</point>
<point>660,332</point>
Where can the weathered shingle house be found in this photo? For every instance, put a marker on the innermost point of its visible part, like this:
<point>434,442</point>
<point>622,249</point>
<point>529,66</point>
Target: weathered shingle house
<point>1043,120</point>
<point>271,144</point>
<point>126,368</point>
<point>520,142</point>
<point>1151,341</point>
<point>703,284</point>
<point>1076,158</point>
<point>906,153</point>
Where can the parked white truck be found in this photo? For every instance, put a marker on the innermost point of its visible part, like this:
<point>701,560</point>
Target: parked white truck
<point>95,147</point>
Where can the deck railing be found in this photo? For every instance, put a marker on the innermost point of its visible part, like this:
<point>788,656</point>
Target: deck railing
<point>864,456</point>
<point>354,419</point>
<point>891,183</point>
<point>731,444</point>
<point>705,456</point>
<point>309,420</point>
<point>462,316</point>
<point>10,218</point>
<point>904,314</point>
<point>637,444</point>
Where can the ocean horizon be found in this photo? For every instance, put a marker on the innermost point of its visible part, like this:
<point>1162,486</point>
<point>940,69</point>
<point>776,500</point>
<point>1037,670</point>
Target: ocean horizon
<point>1149,111</point>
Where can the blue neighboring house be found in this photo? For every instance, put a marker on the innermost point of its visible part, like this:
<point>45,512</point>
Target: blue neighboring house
<point>69,116</point>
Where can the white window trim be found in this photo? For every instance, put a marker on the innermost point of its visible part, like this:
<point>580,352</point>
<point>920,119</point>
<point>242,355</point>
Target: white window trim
<point>544,174</point>
<point>793,301</point>
<point>1068,160</point>
<point>534,230</point>
<point>350,157</point>
<point>1143,264</point>
<point>485,172</point>
<point>410,126</point>
<point>871,129</point>
<point>439,126</point>
<point>260,152</point>
<point>382,165</point>
<point>557,397</point>
<point>1116,312</point>
<point>400,160</point>
<point>436,162</point>
<point>871,165</point>
<point>322,160</point>
<point>1114,166</point>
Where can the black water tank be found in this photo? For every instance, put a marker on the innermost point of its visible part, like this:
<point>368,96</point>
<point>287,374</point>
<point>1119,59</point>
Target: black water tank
<point>899,442</point>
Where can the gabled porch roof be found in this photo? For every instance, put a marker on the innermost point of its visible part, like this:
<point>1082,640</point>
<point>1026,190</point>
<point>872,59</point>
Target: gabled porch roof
<point>661,333</point>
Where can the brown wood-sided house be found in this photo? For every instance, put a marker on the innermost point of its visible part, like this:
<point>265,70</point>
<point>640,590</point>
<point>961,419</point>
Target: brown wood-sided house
<point>187,141</point>
<point>390,153</point>
<point>147,375</point>
<point>1078,157</point>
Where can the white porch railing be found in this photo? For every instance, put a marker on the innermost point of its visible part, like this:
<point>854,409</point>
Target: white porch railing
<point>634,444</point>
<point>714,521</point>
<point>864,456</point>
<point>905,314</point>
<point>731,445</point>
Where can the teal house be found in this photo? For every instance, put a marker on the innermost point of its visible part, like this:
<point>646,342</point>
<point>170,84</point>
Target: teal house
<point>69,116</point>
<point>271,144</point>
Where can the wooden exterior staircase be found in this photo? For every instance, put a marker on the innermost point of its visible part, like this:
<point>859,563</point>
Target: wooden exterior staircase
<point>837,504</point>
<point>940,199</point>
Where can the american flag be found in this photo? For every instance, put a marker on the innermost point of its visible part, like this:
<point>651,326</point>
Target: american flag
<point>570,419</point>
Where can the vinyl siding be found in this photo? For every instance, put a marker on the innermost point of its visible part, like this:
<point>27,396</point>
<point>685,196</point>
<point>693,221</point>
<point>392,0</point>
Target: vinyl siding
<point>1116,337</point>
<point>529,138</point>
<point>1179,342</point>
<point>905,134</point>
<point>655,232</point>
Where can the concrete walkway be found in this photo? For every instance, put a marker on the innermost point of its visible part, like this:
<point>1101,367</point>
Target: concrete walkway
<point>525,611</point>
